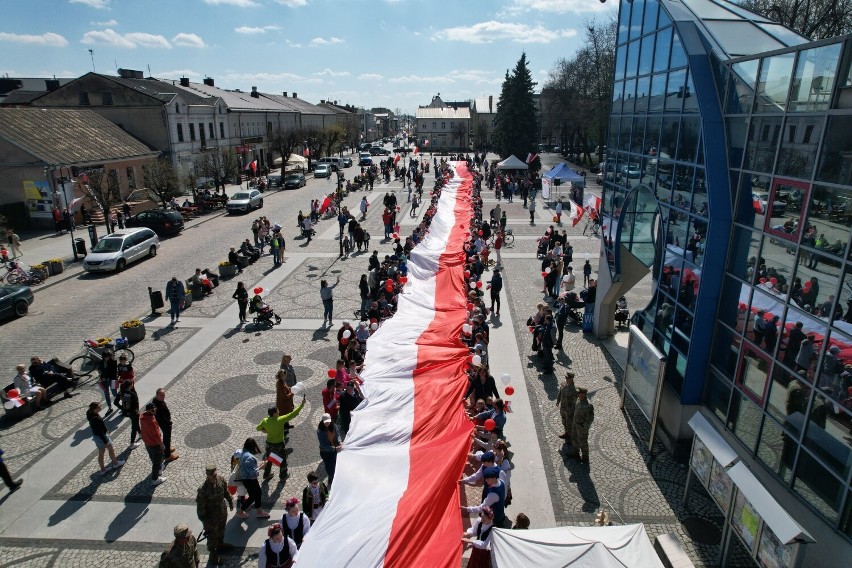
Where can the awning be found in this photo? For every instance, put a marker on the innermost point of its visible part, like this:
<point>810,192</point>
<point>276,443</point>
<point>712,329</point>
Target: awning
<point>564,174</point>
<point>714,441</point>
<point>512,163</point>
<point>578,547</point>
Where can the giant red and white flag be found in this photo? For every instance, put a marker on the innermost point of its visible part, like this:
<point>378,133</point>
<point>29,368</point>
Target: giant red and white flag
<point>395,497</point>
<point>576,212</point>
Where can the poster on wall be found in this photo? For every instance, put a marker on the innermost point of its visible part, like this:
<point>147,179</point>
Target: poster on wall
<point>701,461</point>
<point>39,199</point>
<point>745,520</point>
<point>772,553</point>
<point>719,486</point>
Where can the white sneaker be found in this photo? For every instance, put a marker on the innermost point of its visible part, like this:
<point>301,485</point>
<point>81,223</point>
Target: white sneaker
<point>135,445</point>
<point>117,464</point>
<point>160,480</point>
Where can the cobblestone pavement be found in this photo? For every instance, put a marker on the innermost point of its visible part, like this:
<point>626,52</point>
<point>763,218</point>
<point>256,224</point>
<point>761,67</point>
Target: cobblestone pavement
<point>221,392</point>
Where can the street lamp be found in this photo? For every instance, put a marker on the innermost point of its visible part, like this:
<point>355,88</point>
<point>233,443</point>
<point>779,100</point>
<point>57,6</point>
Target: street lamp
<point>66,200</point>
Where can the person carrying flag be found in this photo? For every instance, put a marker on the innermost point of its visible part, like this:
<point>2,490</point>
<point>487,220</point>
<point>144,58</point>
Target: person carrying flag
<point>274,426</point>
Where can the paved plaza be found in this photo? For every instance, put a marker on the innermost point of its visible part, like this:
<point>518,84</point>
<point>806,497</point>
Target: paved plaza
<point>220,381</point>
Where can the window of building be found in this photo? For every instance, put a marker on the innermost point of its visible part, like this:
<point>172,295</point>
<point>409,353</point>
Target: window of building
<point>83,98</point>
<point>106,98</point>
<point>180,132</point>
<point>192,131</point>
<point>675,91</point>
<point>813,81</point>
<point>210,130</point>
<point>443,126</point>
<point>773,83</point>
<point>201,133</point>
<point>678,55</point>
<point>636,18</point>
<point>741,86</point>
<point>645,58</point>
<point>177,108</point>
<point>661,50</point>
<point>632,59</point>
<point>624,22</point>
<point>221,130</point>
<point>131,177</point>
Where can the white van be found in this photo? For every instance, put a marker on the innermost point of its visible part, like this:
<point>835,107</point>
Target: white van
<point>335,163</point>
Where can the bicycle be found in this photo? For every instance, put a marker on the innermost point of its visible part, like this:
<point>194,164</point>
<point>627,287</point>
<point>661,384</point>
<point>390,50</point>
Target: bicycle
<point>84,365</point>
<point>17,275</point>
<point>508,239</point>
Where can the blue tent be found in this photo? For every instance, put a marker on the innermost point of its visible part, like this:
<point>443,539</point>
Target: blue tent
<point>564,174</point>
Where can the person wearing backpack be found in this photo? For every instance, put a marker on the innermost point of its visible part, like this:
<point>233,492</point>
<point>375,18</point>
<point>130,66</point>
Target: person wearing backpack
<point>275,249</point>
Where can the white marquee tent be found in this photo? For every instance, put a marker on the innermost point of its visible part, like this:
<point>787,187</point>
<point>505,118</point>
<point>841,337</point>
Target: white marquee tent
<point>578,547</point>
<point>512,163</point>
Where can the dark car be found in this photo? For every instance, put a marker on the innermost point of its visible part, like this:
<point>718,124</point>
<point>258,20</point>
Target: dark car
<point>378,151</point>
<point>295,181</point>
<point>162,221</point>
<point>274,181</point>
<point>15,300</point>
<point>346,162</point>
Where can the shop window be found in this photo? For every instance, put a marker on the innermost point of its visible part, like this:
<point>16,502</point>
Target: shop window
<point>774,448</point>
<point>661,50</point>
<point>774,83</point>
<point>753,372</point>
<point>781,219</point>
<point>813,81</point>
<point>798,152</point>
<point>836,161</point>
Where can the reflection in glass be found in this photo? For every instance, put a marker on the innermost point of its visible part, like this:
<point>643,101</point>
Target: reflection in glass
<point>830,215</point>
<point>650,22</point>
<point>636,18</point>
<point>763,139</point>
<point>814,78</point>
<point>799,146</point>
<point>741,86</point>
<point>623,23</point>
<point>773,83</point>
<point>836,162</point>
<point>743,260</point>
<point>629,96</point>
<point>690,101</point>
<point>675,91</point>
<point>744,418</point>
<point>617,97</point>
<point>678,56</point>
<point>661,51</point>
<point>646,55</point>
<point>668,143</point>
<point>688,139</point>
<point>737,130</point>
<point>788,394</point>
<point>718,395</point>
<point>753,373</point>
<point>773,443</point>
<point>632,59</point>
<point>823,274</point>
<point>642,87</point>
<point>817,486</point>
<point>658,92</point>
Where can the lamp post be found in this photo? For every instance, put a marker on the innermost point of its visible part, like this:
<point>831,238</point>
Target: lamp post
<point>65,199</point>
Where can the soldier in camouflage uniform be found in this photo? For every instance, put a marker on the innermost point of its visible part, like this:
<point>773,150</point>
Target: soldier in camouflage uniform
<point>584,415</point>
<point>211,499</point>
<point>183,552</point>
<point>565,400</point>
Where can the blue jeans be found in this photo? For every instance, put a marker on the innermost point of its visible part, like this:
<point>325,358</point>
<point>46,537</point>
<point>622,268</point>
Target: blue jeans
<point>276,257</point>
<point>365,306</point>
<point>328,306</point>
<point>174,307</point>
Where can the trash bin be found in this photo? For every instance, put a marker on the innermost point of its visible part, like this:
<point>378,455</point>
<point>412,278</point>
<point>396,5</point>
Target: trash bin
<point>80,246</point>
<point>157,301</point>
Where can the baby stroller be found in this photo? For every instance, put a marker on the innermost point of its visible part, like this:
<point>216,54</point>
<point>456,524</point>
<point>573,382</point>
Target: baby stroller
<point>574,303</point>
<point>622,314</point>
<point>541,251</point>
<point>263,313</point>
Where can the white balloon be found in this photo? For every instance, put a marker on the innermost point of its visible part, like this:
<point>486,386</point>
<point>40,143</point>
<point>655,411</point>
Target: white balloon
<point>374,326</point>
<point>466,328</point>
<point>506,378</point>
<point>547,270</point>
<point>472,284</point>
<point>477,361</point>
<point>347,334</point>
<point>566,278</point>
<point>297,389</point>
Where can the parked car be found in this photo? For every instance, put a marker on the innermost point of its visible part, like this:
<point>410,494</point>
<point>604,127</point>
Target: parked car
<point>346,162</point>
<point>365,159</point>
<point>245,201</point>
<point>633,171</point>
<point>323,171</point>
<point>116,251</point>
<point>379,151</point>
<point>365,146</point>
<point>295,181</point>
<point>274,181</point>
<point>760,202</point>
<point>163,221</point>
<point>15,300</point>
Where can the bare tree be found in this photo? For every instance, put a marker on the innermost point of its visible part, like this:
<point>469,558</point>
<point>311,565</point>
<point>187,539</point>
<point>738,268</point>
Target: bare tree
<point>459,131</point>
<point>284,142</point>
<point>815,19</point>
<point>160,177</point>
<point>102,186</point>
<point>334,136</point>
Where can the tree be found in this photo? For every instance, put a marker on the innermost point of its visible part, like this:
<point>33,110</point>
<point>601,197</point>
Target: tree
<point>516,129</point>
<point>284,142</point>
<point>334,136</point>
<point>103,188</point>
<point>815,19</point>
<point>459,131</point>
<point>160,177</point>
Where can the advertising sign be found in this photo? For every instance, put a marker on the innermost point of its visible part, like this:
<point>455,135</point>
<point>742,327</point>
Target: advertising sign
<point>39,198</point>
<point>771,552</point>
<point>720,486</point>
<point>701,460</point>
<point>745,520</point>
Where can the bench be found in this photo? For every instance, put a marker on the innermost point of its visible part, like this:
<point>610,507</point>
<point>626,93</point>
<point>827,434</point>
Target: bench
<point>29,406</point>
<point>671,552</point>
<point>198,291</point>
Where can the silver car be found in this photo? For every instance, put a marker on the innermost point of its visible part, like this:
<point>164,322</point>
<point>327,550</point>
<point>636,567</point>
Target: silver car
<point>245,201</point>
<point>116,251</point>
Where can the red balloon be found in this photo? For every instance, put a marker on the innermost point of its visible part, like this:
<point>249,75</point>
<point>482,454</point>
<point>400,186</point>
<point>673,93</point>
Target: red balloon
<point>470,307</point>
<point>258,290</point>
<point>543,274</point>
<point>763,280</point>
<point>531,329</point>
<point>773,281</point>
<point>490,424</point>
<point>479,284</point>
<point>344,341</point>
<point>395,236</point>
<point>510,391</point>
<point>480,233</point>
<point>467,273</point>
<point>403,279</point>
<point>332,373</point>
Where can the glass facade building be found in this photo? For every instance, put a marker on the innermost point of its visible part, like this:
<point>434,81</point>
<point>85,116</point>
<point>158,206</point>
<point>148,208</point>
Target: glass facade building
<point>728,172</point>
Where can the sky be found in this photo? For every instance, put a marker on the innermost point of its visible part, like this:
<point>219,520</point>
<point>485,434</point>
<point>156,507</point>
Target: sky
<point>370,53</point>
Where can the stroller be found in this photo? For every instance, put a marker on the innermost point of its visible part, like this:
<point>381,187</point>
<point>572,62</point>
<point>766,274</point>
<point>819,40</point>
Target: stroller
<point>622,314</point>
<point>263,313</point>
<point>541,251</point>
<point>574,303</point>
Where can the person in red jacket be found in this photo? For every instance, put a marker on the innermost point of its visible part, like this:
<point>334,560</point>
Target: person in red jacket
<point>153,439</point>
<point>387,220</point>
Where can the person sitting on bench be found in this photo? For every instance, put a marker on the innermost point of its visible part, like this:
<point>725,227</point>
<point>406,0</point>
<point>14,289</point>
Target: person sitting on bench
<point>203,283</point>
<point>47,374</point>
<point>251,252</point>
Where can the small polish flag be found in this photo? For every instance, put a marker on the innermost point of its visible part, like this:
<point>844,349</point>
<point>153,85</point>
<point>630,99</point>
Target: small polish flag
<point>416,149</point>
<point>274,459</point>
<point>426,142</point>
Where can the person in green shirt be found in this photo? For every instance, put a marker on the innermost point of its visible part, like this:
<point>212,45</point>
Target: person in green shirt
<point>274,426</point>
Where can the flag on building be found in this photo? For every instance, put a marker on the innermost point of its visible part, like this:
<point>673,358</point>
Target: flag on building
<point>274,459</point>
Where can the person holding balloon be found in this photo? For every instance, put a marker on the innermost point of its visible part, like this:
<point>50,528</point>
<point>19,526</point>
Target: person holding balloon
<point>481,386</point>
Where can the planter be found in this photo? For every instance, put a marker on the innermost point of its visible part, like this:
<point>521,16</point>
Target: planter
<point>187,300</point>
<point>133,334</point>
<point>56,268</point>
<point>244,261</point>
<point>228,270</point>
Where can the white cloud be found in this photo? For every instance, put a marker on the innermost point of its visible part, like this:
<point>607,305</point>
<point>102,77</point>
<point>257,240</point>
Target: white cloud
<point>322,41</point>
<point>48,39</point>
<point>238,3</point>
<point>129,41</point>
<point>292,44</point>
<point>476,76</point>
<point>188,40</point>
<point>170,75</point>
<point>99,4</point>
<point>329,73</point>
<point>557,6</point>
<point>253,30</point>
<point>421,79</point>
<point>370,77</point>
<point>293,3</point>
<point>237,79</point>
<point>488,32</point>
<point>105,24</point>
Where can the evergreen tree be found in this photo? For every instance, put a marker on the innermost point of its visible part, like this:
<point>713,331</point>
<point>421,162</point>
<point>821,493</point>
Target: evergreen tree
<point>516,128</point>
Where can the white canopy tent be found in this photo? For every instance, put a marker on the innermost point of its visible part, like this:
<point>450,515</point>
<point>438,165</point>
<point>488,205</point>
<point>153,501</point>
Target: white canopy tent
<point>512,163</point>
<point>580,547</point>
<point>294,162</point>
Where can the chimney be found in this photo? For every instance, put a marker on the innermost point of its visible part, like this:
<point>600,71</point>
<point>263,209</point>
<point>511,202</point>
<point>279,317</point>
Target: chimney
<point>335,103</point>
<point>209,81</point>
<point>295,95</point>
<point>285,94</point>
<point>184,81</point>
<point>254,93</point>
<point>490,104</point>
<point>322,101</point>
